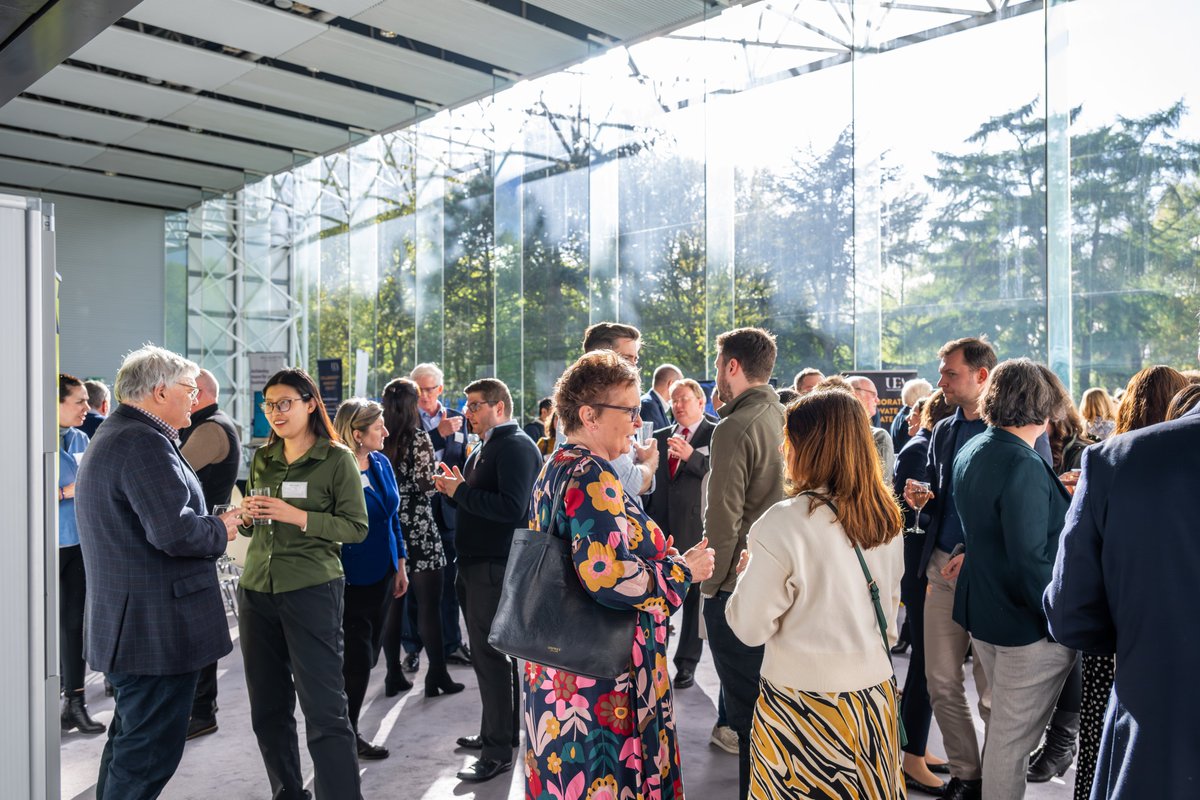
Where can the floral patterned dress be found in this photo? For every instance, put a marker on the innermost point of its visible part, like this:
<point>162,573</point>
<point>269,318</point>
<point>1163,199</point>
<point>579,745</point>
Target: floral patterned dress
<point>414,480</point>
<point>594,739</point>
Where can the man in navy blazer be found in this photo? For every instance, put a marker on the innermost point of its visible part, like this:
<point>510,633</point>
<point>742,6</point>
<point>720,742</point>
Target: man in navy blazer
<point>656,403</point>
<point>155,615</point>
<point>1124,583</point>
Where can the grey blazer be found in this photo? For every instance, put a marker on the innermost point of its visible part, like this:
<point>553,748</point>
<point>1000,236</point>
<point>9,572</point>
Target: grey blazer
<point>154,605</point>
<point>677,504</point>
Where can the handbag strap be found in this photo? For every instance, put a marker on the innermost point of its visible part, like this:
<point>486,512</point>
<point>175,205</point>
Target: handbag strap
<point>556,504</point>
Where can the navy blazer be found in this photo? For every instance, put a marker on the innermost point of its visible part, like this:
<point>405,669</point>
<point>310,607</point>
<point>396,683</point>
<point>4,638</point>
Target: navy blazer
<point>369,561</point>
<point>652,411</point>
<point>454,455</point>
<point>1124,582</point>
<point>677,504</point>
<point>1012,508</point>
<point>154,604</point>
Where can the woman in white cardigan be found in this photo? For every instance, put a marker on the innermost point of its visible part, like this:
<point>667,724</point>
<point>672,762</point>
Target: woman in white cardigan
<point>826,722</point>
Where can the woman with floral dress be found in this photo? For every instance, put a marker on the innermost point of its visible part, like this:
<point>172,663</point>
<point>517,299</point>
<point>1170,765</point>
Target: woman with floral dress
<point>590,738</point>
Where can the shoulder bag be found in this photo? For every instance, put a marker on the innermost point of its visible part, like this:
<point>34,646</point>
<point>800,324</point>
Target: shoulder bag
<point>546,616</point>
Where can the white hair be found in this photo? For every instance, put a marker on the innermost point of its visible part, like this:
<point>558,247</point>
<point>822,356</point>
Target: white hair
<point>428,370</point>
<point>914,390</point>
<point>855,380</point>
<point>146,369</point>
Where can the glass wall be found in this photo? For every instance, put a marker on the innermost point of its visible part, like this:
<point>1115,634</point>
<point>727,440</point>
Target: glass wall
<point>866,179</point>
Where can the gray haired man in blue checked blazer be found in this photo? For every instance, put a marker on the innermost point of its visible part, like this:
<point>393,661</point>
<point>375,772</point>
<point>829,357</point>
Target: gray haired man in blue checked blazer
<point>154,611</point>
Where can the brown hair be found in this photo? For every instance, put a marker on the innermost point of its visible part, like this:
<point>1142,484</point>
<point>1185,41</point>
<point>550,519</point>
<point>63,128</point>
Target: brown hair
<point>835,383</point>
<point>1065,424</point>
<point>1147,396</point>
<point>493,390</point>
<point>1193,375</point>
<point>302,382</point>
<point>977,352</point>
<point>690,384</point>
<point>604,335</point>
<point>1018,394</point>
<point>754,349</point>
<point>830,451</point>
<point>401,418</point>
<point>1184,401</point>
<point>65,384</point>
<point>1097,404</point>
<point>355,414</point>
<point>804,373</point>
<point>588,381</point>
<point>936,409</point>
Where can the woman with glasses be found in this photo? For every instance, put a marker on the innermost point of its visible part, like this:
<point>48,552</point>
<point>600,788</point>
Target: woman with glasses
<point>624,561</point>
<point>291,592</point>
<point>410,452</point>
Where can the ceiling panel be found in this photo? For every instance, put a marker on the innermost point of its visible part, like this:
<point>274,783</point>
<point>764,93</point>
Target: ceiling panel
<point>345,8</point>
<point>627,19</point>
<point>22,173</point>
<point>121,188</point>
<point>275,87</point>
<point>155,57</point>
<point>238,23</point>
<point>160,168</point>
<point>258,125</point>
<point>351,56</point>
<point>479,31</point>
<point>214,149</point>
<point>85,87</point>
<point>44,148</point>
<point>53,118</point>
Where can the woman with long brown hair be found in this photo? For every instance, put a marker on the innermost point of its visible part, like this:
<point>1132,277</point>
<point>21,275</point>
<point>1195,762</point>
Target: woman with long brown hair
<point>1099,413</point>
<point>828,691</point>
<point>1147,397</point>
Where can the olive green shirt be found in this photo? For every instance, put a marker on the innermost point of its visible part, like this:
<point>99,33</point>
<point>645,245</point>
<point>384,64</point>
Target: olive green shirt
<point>326,483</point>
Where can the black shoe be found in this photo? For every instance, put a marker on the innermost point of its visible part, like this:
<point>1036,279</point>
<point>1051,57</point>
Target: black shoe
<point>201,727</point>
<point>75,716</point>
<point>395,683</point>
<point>1054,757</point>
<point>684,678</point>
<point>370,752</point>
<point>958,789</point>
<point>938,769</point>
<point>411,663</point>
<point>459,655</point>
<point>439,684</point>
<point>915,785</point>
<point>900,648</point>
<point>483,770</point>
<point>108,689</point>
<point>472,742</point>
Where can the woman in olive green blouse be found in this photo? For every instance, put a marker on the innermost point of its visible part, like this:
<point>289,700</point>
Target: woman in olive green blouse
<point>290,594</point>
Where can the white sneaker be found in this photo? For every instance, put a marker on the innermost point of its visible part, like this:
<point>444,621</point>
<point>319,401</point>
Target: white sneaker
<point>725,738</point>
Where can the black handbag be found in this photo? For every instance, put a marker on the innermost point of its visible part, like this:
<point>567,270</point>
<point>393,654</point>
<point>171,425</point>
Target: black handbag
<point>547,617</point>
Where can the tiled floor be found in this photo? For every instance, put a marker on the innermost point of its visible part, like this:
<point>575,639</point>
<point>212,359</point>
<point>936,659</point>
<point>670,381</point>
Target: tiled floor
<point>421,734</point>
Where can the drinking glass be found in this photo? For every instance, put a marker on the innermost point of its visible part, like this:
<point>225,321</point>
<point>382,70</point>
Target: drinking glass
<point>473,441</point>
<point>922,493</point>
<point>261,491</point>
<point>223,508</point>
<point>645,434</point>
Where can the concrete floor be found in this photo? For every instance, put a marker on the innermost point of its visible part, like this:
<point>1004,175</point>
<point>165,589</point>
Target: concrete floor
<point>420,734</point>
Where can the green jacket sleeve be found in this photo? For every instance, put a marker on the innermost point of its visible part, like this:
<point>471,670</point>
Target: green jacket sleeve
<point>1025,525</point>
<point>347,523</point>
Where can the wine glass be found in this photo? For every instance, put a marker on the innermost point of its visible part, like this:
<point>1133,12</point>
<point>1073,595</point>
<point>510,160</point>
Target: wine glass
<point>921,493</point>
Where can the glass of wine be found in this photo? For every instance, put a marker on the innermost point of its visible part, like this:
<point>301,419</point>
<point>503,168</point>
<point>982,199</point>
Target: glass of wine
<point>921,493</point>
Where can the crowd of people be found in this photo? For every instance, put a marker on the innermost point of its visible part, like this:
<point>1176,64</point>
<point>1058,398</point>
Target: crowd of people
<point>1044,546</point>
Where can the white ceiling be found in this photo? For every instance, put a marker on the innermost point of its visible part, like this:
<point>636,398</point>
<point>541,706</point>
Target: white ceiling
<point>182,99</point>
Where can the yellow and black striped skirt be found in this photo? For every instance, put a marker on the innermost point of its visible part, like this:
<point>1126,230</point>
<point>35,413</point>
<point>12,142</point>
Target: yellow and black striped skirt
<point>828,745</point>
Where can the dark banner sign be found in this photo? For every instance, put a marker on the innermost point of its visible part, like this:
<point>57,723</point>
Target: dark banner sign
<point>888,383</point>
<point>329,379</point>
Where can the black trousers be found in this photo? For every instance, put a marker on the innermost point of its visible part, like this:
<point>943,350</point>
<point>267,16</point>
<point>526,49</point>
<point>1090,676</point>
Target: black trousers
<point>362,629</point>
<point>916,712</point>
<point>292,647</point>
<point>687,652</point>
<point>739,667</point>
<point>479,585</point>
<point>204,704</point>
<point>72,593</point>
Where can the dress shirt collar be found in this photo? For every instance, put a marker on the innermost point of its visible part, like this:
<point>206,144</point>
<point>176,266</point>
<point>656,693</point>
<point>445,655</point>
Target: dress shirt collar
<point>156,422</point>
<point>487,436</point>
<point>430,421</point>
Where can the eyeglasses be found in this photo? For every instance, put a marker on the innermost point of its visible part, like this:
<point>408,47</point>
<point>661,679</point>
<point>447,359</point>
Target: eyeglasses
<point>631,411</point>
<point>194,390</point>
<point>869,392</point>
<point>430,390</point>
<point>284,405</point>
<point>473,407</point>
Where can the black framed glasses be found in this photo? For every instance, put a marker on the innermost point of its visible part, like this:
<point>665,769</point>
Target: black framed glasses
<point>284,405</point>
<point>630,410</point>
<point>473,407</point>
<point>428,390</point>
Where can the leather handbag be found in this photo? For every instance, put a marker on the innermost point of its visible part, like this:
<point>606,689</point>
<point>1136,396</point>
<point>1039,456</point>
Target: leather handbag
<point>547,617</point>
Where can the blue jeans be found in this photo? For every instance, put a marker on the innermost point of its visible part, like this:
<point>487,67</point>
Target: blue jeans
<point>146,735</point>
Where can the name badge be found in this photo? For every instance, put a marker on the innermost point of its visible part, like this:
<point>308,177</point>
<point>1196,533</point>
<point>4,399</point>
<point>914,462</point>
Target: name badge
<point>295,490</point>
<point>459,436</point>
<point>702,450</point>
<point>365,481</point>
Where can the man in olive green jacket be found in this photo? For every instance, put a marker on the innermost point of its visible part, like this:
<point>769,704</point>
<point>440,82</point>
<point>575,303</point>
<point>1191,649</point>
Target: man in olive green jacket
<point>746,479</point>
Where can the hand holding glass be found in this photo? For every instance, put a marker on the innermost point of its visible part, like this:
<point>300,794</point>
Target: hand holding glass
<point>262,491</point>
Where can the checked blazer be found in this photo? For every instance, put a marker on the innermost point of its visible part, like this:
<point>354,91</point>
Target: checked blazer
<point>154,605</point>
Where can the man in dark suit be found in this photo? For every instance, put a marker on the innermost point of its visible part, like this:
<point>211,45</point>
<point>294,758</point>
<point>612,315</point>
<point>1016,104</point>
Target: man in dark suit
<point>154,613</point>
<point>491,495</point>
<point>98,400</point>
<point>656,405</point>
<point>1124,583</point>
<point>536,429</point>
<point>677,504</point>
<point>212,446</point>
<point>448,431</point>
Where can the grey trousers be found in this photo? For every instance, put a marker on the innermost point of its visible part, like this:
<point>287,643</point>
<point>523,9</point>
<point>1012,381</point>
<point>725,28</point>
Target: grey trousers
<point>946,645</point>
<point>292,646</point>
<point>1025,684</point>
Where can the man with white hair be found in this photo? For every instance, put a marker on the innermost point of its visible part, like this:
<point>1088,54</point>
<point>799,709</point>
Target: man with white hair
<point>154,615</point>
<point>868,395</point>
<point>912,391</point>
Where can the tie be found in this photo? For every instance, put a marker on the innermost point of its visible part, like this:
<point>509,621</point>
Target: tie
<point>673,462</point>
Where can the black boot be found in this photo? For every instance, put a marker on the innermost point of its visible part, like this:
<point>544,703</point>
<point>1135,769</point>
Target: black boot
<point>1054,757</point>
<point>75,715</point>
